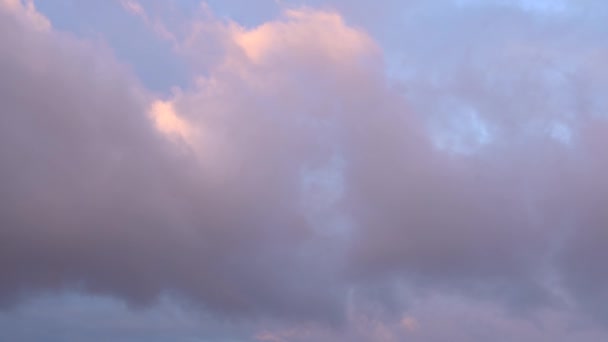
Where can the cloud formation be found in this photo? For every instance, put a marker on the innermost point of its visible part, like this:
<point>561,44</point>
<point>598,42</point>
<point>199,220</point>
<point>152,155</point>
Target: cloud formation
<point>298,190</point>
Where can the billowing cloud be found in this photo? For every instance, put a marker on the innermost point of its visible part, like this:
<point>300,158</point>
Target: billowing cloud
<point>111,203</point>
<point>298,191</point>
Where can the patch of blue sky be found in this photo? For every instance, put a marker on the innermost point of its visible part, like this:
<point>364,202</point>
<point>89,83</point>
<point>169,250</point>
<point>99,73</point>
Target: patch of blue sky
<point>135,45</point>
<point>88,318</point>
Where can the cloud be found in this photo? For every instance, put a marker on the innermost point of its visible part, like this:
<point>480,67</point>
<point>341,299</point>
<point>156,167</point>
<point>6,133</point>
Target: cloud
<point>169,123</point>
<point>98,200</point>
<point>75,134</point>
<point>26,12</point>
<point>295,185</point>
<point>520,100</point>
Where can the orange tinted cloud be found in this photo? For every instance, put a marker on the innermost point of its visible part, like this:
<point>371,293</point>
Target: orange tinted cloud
<point>168,122</point>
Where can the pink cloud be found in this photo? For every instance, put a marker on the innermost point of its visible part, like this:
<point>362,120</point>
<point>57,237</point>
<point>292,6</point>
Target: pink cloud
<point>100,196</point>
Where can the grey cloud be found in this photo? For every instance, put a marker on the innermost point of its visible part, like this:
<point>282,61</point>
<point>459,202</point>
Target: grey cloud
<point>95,199</point>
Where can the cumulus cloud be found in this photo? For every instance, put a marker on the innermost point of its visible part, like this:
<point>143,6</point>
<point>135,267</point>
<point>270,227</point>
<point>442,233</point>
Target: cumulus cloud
<point>297,185</point>
<point>100,197</point>
<point>74,135</point>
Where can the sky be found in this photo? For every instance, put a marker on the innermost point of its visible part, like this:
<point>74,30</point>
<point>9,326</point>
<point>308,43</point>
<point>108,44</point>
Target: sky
<point>303,170</point>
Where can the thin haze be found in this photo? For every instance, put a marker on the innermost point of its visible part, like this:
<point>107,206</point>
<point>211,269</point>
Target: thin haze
<point>305,170</point>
